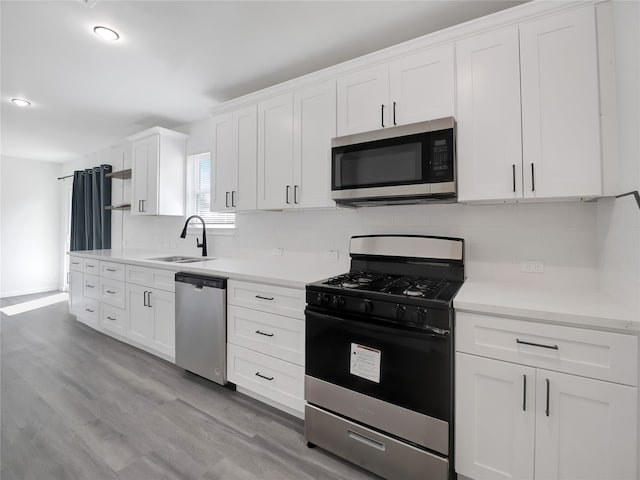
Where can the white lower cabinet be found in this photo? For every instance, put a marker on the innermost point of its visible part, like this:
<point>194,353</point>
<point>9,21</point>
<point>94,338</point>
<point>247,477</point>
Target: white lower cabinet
<point>151,318</point>
<point>76,292</point>
<point>113,319</point>
<point>523,422</point>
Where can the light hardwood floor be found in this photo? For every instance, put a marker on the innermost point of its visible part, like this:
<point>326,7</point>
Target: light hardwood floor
<point>76,404</point>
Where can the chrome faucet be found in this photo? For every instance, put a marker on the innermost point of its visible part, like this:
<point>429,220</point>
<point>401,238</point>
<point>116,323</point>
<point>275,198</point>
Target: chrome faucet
<point>202,245</point>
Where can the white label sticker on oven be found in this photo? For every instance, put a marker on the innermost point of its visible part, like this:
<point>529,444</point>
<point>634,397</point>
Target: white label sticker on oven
<point>365,362</point>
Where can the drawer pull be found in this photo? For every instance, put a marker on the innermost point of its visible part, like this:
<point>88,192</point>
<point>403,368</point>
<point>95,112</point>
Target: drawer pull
<point>264,298</point>
<point>111,292</point>
<point>90,266</point>
<point>75,263</point>
<point>524,393</point>
<point>366,440</point>
<point>260,332</point>
<point>111,269</point>
<point>111,318</point>
<point>551,347</point>
<point>90,286</point>
<point>89,310</point>
<point>258,374</point>
<point>546,410</point>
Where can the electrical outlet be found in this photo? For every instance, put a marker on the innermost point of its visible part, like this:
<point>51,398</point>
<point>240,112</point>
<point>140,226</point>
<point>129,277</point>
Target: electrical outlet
<point>532,266</point>
<point>276,252</point>
<point>332,255</point>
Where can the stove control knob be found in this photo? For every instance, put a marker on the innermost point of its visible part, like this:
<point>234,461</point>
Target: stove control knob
<point>421,314</point>
<point>400,311</point>
<point>366,306</point>
<point>323,299</point>
<point>338,301</point>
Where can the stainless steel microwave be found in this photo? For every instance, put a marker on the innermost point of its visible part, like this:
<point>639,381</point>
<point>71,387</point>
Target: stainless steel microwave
<point>398,165</point>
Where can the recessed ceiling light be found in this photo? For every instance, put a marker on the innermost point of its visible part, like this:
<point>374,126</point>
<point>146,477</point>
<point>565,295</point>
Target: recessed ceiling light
<point>106,33</point>
<point>21,102</point>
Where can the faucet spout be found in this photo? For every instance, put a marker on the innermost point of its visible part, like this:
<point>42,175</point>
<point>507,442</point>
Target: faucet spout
<point>203,244</point>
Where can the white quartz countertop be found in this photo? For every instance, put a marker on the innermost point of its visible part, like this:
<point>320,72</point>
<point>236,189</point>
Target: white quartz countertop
<point>288,270</point>
<point>571,306</point>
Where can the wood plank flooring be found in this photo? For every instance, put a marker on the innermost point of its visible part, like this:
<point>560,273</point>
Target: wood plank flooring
<point>76,404</point>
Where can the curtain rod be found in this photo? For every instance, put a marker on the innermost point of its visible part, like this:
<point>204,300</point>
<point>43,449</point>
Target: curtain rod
<point>62,178</point>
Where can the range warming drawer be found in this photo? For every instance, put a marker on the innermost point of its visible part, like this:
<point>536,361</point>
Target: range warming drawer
<point>370,449</point>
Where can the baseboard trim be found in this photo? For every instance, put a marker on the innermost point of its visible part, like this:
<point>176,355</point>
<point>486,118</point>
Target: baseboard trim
<point>17,293</point>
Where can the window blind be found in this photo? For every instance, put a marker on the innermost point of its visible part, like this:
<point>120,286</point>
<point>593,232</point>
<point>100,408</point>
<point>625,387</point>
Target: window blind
<point>202,193</point>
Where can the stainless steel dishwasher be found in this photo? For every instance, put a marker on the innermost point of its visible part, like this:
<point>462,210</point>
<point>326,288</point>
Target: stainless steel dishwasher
<point>201,325</point>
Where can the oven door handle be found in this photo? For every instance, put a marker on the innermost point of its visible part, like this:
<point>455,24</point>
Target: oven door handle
<point>426,330</point>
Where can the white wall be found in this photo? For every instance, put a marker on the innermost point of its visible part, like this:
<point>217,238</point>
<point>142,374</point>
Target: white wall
<point>618,221</point>
<point>29,224</point>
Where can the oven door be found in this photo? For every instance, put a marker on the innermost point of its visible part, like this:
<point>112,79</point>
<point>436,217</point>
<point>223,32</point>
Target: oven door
<point>405,367</point>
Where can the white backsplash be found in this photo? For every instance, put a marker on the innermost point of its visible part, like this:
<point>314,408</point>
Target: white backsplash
<point>497,237</point>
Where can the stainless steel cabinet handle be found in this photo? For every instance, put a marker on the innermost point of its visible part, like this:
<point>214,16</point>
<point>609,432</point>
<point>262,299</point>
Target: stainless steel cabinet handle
<point>546,411</point>
<point>259,332</point>
<point>144,298</point>
<point>111,318</point>
<point>264,298</point>
<point>382,115</point>
<point>90,286</point>
<point>288,189</point>
<point>513,174</point>
<point>89,310</point>
<point>111,292</point>
<point>258,374</point>
<point>149,299</point>
<point>524,393</point>
<point>140,205</point>
<point>75,263</point>
<point>366,440</point>
<point>394,113</point>
<point>295,193</point>
<point>111,269</point>
<point>144,208</point>
<point>88,265</point>
<point>233,198</point>
<point>226,199</point>
<point>533,179</point>
<point>551,347</point>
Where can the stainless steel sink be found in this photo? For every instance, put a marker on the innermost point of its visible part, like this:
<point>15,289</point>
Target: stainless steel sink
<point>181,259</point>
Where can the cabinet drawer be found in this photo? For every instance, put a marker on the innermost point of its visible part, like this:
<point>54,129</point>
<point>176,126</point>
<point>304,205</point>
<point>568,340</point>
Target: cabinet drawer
<point>91,288</point>
<point>91,266</point>
<point>90,312</point>
<point>274,335</point>
<point>112,270</point>
<point>76,264</point>
<point>268,298</point>
<point>113,319</point>
<point>113,292</point>
<point>277,380</point>
<point>151,277</point>
<point>589,353</point>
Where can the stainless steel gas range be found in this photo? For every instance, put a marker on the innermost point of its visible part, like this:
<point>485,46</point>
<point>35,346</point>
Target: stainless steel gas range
<point>379,356</point>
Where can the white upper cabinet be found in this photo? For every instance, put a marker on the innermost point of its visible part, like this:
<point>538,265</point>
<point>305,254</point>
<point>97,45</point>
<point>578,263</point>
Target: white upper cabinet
<point>314,115</point>
<point>158,172</point>
<point>422,86</point>
<point>223,164</point>
<point>560,106</point>
<point>363,97</point>
<point>233,161</point>
<point>528,110</point>
<point>275,152</point>
<point>245,150</point>
<point>411,89</point>
<point>489,138</point>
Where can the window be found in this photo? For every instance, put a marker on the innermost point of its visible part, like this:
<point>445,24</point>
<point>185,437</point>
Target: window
<point>198,194</point>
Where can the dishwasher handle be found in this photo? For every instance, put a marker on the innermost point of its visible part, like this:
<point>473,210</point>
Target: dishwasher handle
<point>201,280</point>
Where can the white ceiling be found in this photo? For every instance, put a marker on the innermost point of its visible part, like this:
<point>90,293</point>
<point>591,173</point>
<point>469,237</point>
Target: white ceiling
<point>176,59</point>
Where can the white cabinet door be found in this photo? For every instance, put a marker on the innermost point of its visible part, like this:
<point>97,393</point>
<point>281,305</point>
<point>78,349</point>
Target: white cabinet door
<point>245,146</point>
<point>489,137</point>
<point>275,152</point>
<point>363,100</point>
<point>495,419</point>
<point>140,327</point>
<point>422,86</point>
<point>145,176</point>
<point>162,305</point>
<point>314,113</point>
<point>587,429</point>
<point>76,289</point>
<point>560,109</point>
<point>223,164</point>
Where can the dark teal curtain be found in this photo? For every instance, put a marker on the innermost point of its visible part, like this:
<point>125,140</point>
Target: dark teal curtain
<point>90,222</point>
